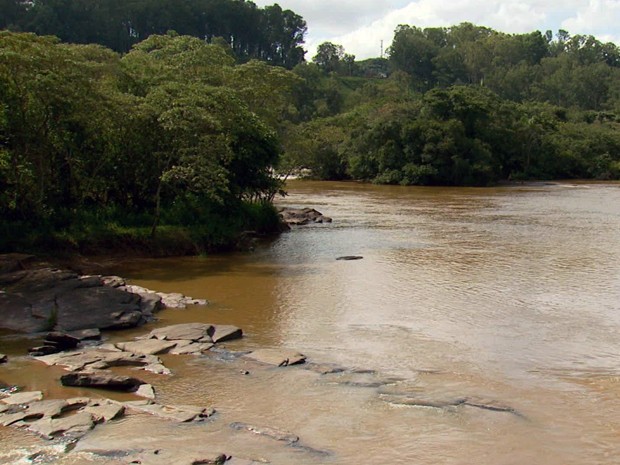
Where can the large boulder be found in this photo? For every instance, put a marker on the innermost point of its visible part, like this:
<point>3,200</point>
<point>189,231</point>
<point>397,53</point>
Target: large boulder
<point>50,299</point>
<point>102,380</point>
<point>302,216</point>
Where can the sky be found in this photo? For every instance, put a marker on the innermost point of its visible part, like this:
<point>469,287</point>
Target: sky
<point>361,25</point>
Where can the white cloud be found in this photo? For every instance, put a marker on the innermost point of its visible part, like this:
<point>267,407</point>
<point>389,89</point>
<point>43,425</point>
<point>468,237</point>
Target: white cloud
<point>600,18</point>
<point>361,25</point>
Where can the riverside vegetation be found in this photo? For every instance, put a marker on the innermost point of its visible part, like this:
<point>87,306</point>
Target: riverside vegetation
<point>122,134</point>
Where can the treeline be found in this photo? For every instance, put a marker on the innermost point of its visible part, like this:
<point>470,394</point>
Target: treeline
<point>178,138</point>
<point>463,106</point>
<point>567,71</point>
<point>270,34</point>
<point>171,134</point>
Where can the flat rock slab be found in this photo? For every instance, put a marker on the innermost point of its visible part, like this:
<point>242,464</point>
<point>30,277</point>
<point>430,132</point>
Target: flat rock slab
<point>98,359</point>
<point>104,410</point>
<point>73,425</point>
<point>273,433</point>
<point>424,401</point>
<point>22,398</point>
<point>222,333</point>
<point>185,332</point>
<point>146,346</point>
<point>276,357</point>
<point>101,380</point>
<point>179,413</point>
<point>190,348</point>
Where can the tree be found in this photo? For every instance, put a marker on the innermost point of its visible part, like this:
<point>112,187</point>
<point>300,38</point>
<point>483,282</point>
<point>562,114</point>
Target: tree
<point>328,56</point>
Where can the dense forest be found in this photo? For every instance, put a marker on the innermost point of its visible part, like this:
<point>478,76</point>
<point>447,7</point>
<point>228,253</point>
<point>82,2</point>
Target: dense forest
<point>161,127</point>
<point>464,105</point>
<point>270,34</point>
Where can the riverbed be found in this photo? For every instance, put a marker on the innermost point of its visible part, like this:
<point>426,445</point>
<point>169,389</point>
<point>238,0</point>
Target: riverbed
<point>509,294</point>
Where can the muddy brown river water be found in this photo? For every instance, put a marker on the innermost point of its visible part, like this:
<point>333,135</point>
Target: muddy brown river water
<point>511,295</point>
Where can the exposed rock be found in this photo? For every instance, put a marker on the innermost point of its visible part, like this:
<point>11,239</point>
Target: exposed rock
<point>146,391</point>
<point>278,435</point>
<point>112,281</point>
<point>157,368</point>
<point>302,216</point>
<point>150,303</point>
<point>43,299</point>
<point>33,411</point>
<point>350,257</point>
<point>184,331</point>
<point>101,380</point>
<point>277,357</point>
<point>39,351</point>
<point>221,333</point>
<point>73,425</point>
<point>168,300</point>
<point>11,262</point>
<point>22,397</point>
<point>190,348</point>
<point>98,359</point>
<point>179,413</point>
<point>3,358</point>
<point>146,346</point>
<point>62,341</point>
<point>88,334</point>
<point>104,410</point>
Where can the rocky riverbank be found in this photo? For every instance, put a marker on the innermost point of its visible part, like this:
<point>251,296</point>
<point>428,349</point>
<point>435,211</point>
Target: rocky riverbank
<point>112,431</point>
<point>37,297</point>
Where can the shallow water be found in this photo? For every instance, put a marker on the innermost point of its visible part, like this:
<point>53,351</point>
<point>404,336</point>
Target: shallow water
<point>509,294</point>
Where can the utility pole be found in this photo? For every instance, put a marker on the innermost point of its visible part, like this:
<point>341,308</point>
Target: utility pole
<point>381,48</point>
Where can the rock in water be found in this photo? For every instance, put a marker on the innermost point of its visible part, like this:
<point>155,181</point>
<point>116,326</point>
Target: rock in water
<point>101,380</point>
<point>350,257</point>
<point>277,357</point>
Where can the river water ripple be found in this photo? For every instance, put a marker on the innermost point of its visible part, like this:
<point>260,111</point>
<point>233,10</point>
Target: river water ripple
<point>510,294</point>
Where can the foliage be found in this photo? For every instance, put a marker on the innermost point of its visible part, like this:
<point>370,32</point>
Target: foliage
<point>168,124</point>
<point>270,34</point>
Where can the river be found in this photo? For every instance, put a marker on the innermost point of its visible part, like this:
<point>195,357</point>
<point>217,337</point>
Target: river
<point>510,295</point>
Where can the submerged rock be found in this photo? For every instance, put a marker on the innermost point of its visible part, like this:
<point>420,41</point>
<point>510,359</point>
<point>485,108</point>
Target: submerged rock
<point>179,413</point>
<point>273,433</point>
<point>176,457</point>
<point>277,357</point>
